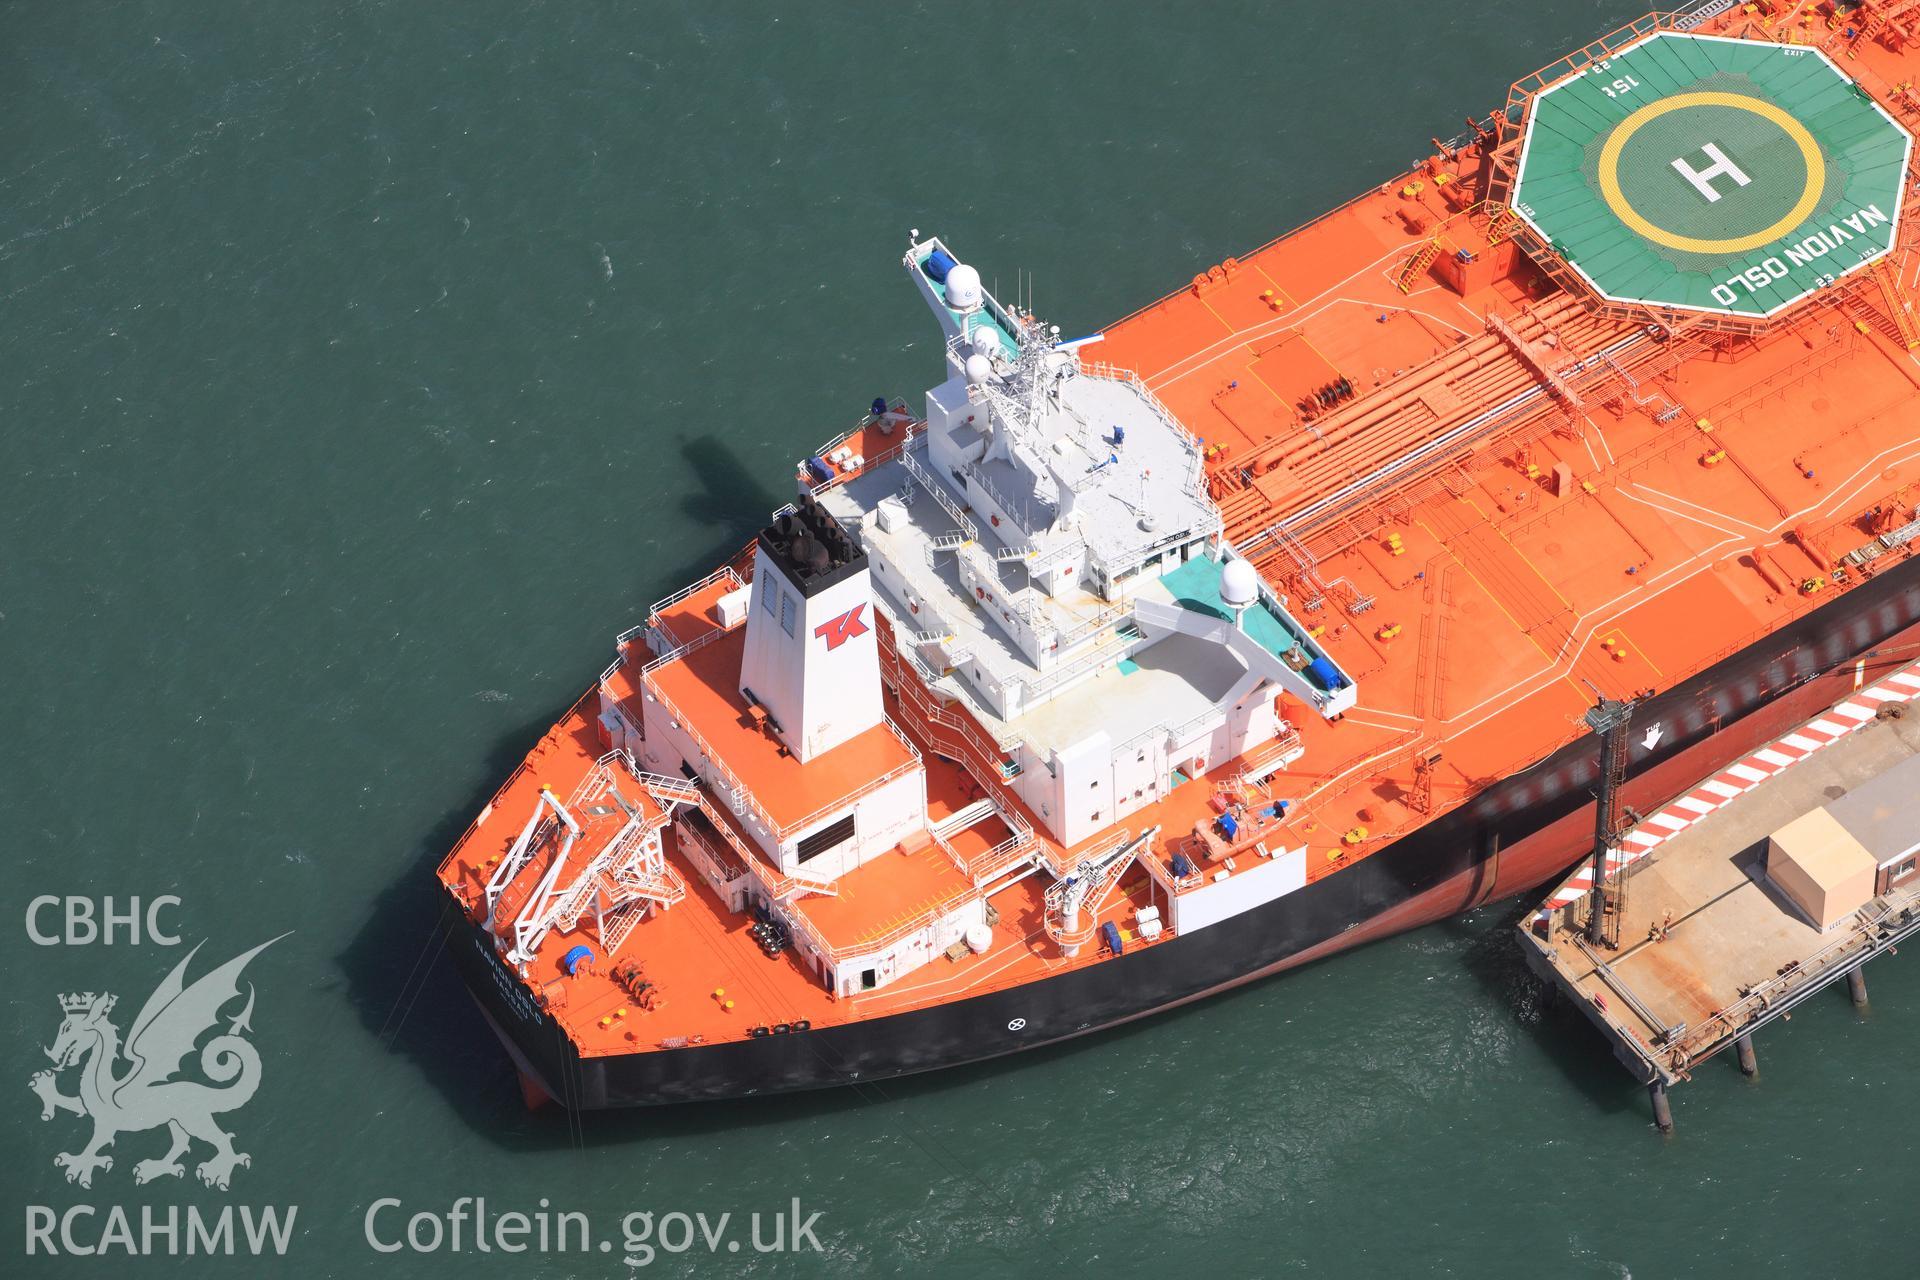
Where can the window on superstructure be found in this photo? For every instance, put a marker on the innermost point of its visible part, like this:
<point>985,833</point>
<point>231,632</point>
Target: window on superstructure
<point>786,612</point>
<point>831,836</point>
<point>766,589</point>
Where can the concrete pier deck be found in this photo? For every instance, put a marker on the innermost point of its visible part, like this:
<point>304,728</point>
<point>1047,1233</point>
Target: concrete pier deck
<point>1711,949</point>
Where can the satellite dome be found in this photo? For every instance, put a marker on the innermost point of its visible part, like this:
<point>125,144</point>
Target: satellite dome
<point>1239,584</point>
<point>985,340</point>
<point>963,287</point>
<point>979,368</point>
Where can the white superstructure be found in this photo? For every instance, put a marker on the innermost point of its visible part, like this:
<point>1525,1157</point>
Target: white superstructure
<point>1048,554</point>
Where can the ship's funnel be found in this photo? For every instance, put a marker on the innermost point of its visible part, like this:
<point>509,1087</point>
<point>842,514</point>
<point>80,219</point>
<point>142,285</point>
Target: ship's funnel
<point>811,660</point>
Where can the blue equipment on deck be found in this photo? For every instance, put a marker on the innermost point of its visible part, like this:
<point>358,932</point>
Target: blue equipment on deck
<point>938,263</point>
<point>1111,932</point>
<point>575,958</point>
<point>1323,673</point>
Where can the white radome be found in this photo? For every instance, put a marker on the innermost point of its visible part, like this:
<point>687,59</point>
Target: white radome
<point>1239,584</point>
<point>979,368</point>
<point>963,287</point>
<point>979,938</point>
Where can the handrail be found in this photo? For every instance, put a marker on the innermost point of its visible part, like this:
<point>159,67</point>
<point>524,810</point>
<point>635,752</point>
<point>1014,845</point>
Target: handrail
<point>988,863</point>
<point>737,790</point>
<point>1871,917</point>
<point>937,493</point>
<point>721,866</point>
<point>1064,862</point>
<point>1193,481</point>
<point>907,766</point>
<point>915,693</point>
<point>913,430</point>
<point>779,830</point>
<point>1051,680</point>
<point>692,646</point>
<point>897,405</point>
<point>1018,519</point>
<point>907,928</point>
<point>721,574</point>
<point>1087,626</point>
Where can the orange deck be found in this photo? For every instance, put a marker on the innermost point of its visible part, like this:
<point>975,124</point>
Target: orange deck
<point>1700,492</point>
<point>703,686</point>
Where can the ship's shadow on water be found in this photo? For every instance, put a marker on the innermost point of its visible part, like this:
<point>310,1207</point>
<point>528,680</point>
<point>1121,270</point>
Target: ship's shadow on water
<point>728,497</point>
<point>1490,954</point>
<point>405,991</point>
<point>403,987</point>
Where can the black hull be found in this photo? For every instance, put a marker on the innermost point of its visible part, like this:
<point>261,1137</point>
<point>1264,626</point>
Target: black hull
<point>1516,834</point>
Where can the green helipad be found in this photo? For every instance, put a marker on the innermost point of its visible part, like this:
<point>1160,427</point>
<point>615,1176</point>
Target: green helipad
<point>1714,174</point>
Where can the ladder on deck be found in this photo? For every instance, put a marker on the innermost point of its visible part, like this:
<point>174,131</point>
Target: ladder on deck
<point>1899,306</point>
<point>1502,226</point>
<point>1865,32</point>
<point>1417,264</point>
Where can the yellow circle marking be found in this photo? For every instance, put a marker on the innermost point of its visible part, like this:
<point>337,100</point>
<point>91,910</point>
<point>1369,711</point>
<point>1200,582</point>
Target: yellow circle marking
<point>1624,210</point>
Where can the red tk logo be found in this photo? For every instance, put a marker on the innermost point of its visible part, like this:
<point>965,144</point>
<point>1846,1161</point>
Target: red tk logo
<point>837,631</point>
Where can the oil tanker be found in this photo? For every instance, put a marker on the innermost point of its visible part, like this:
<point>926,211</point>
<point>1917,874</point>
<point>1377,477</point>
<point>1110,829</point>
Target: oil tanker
<point>1123,670</point>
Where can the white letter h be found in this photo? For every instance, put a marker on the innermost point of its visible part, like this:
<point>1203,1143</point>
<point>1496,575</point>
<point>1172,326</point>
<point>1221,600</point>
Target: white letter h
<point>1702,179</point>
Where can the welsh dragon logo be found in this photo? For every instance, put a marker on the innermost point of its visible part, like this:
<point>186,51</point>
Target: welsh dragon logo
<point>146,1095</point>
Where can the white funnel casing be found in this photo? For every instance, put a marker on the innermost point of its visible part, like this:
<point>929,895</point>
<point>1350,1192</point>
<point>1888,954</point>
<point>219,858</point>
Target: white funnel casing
<point>812,658</point>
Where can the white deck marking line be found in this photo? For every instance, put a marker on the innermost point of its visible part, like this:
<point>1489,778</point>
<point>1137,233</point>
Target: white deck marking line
<point>1678,515</point>
<point>1731,519</point>
<point>1748,772</point>
<point>1693,805</point>
<point>1604,443</point>
<point>1720,788</point>
<point>1778,759</point>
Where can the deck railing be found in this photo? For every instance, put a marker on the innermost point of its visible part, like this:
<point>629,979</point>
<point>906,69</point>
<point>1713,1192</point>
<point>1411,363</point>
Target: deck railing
<point>724,573</point>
